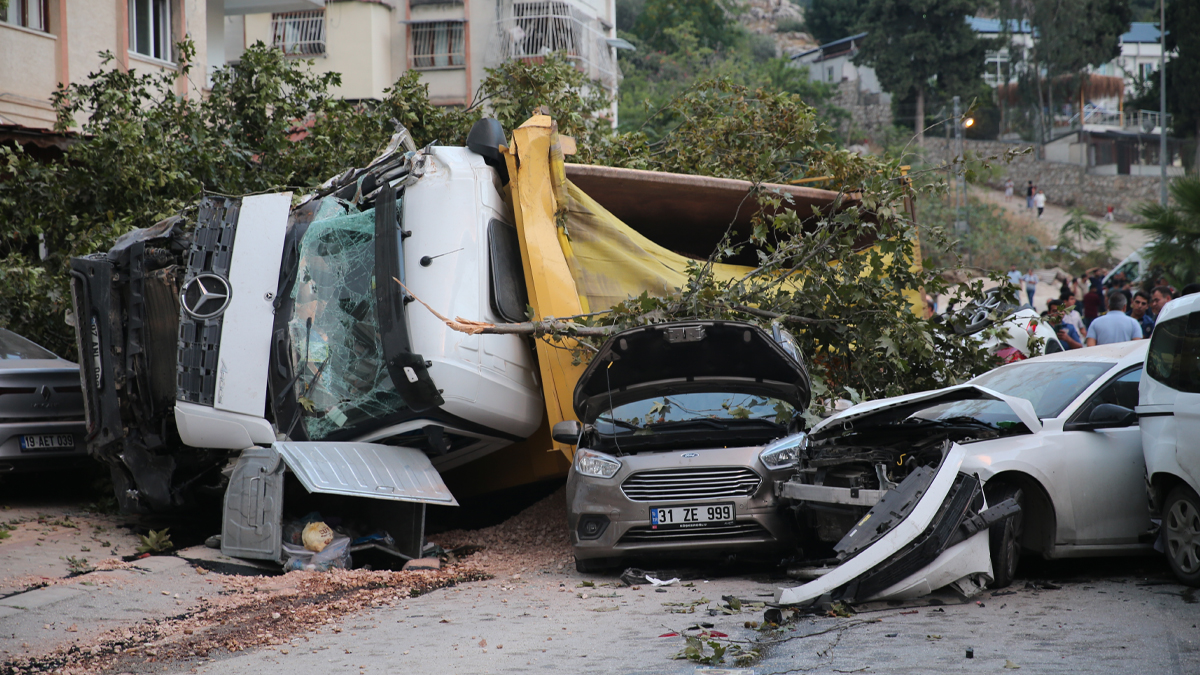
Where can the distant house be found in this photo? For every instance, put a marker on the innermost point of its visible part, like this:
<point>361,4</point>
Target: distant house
<point>833,62</point>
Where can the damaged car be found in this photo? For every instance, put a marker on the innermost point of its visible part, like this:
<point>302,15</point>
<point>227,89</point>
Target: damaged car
<point>677,450</point>
<point>899,497</point>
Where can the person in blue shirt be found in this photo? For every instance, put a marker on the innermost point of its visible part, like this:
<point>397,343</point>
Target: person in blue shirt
<point>1116,325</point>
<point>1067,333</point>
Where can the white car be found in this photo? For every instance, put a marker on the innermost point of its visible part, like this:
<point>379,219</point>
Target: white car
<point>1170,411</point>
<point>901,496</point>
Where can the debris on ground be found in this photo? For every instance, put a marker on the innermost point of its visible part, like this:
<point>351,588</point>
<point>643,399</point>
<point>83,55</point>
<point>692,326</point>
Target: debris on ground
<point>537,538</point>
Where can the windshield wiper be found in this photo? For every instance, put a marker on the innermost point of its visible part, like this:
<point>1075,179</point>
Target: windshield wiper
<point>721,424</point>
<point>619,423</point>
<point>962,419</point>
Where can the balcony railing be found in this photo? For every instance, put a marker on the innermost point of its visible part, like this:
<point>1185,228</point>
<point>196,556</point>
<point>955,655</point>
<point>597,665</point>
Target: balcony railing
<point>299,33</point>
<point>533,30</point>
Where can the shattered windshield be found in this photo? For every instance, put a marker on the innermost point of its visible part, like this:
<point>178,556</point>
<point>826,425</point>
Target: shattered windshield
<point>342,376</point>
<point>717,410</point>
<point>1050,387</point>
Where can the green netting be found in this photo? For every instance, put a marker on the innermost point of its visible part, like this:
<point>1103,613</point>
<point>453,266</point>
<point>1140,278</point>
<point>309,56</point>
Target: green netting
<point>343,379</point>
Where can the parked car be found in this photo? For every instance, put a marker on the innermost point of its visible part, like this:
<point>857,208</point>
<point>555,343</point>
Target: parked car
<point>1169,407</point>
<point>901,496</point>
<point>41,408</point>
<point>676,452</point>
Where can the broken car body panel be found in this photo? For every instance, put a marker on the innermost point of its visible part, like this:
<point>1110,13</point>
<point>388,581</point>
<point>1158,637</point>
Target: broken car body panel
<point>921,400</point>
<point>366,470</point>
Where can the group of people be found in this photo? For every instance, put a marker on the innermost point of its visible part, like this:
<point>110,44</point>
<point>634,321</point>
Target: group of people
<point>1034,196</point>
<point>1119,313</point>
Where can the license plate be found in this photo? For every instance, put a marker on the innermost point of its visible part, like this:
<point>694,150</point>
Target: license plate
<point>684,517</point>
<point>47,442</point>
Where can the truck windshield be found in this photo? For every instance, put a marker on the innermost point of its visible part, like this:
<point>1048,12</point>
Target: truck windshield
<point>342,377</point>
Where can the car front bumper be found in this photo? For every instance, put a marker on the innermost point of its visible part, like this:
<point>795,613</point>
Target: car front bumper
<point>624,523</point>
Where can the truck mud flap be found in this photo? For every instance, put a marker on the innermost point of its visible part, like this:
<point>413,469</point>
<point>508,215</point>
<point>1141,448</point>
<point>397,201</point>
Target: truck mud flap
<point>401,480</point>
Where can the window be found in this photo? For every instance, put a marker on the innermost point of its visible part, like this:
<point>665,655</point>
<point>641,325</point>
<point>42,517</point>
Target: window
<point>1148,69</point>
<point>1174,357</point>
<point>150,32</point>
<point>27,13</point>
<point>1122,391</point>
<point>544,27</point>
<point>299,33</point>
<point>436,44</point>
<point>508,280</point>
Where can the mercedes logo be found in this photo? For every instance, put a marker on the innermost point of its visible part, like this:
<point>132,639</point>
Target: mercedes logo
<point>205,296</point>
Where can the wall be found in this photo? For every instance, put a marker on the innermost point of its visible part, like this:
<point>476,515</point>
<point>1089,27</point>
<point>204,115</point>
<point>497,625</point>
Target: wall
<point>1066,185</point>
<point>870,112</point>
<point>28,76</point>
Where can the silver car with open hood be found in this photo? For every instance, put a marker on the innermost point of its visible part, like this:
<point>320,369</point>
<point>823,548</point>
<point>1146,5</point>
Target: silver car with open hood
<point>678,450</point>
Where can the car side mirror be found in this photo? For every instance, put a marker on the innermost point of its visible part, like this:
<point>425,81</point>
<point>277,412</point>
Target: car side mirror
<point>567,431</point>
<point>1110,415</point>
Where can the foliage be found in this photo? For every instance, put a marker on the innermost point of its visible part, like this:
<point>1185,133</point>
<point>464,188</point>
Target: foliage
<point>157,541</point>
<point>995,239</point>
<point>1079,228</point>
<point>916,45</point>
<point>707,17</point>
<point>1175,231</point>
<point>77,566</point>
<point>1075,34</point>
<point>789,25</point>
<point>829,20</point>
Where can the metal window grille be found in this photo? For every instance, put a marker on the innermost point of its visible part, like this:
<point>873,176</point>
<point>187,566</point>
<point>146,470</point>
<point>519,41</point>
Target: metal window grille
<point>299,33</point>
<point>150,28</point>
<point>27,13</point>
<point>533,30</point>
<point>436,44</point>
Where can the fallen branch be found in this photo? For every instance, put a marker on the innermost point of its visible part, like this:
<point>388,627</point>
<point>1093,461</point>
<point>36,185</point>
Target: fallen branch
<point>550,326</point>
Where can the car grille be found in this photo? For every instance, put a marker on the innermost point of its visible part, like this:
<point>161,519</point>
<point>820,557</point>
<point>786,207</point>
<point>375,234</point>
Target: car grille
<point>200,339</point>
<point>678,484</point>
<point>645,535</point>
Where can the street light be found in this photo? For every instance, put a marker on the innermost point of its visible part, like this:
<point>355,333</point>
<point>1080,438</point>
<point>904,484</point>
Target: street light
<point>968,122</point>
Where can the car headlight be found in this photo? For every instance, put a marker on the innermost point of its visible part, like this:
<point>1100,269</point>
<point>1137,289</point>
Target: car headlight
<point>596,464</point>
<point>784,452</point>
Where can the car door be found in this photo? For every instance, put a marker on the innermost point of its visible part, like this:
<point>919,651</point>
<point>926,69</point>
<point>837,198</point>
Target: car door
<point>1107,471</point>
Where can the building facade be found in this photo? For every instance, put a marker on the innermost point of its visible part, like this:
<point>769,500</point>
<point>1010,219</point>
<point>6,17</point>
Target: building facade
<point>47,42</point>
<point>450,42</point>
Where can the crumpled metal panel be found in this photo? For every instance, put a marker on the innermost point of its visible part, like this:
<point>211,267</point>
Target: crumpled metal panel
<point>366,470</point>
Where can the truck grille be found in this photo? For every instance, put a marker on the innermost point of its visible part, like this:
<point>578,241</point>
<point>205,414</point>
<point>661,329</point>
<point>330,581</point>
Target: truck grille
<point>645,535</point>
<point>679,484</point>
<point>200,339</point>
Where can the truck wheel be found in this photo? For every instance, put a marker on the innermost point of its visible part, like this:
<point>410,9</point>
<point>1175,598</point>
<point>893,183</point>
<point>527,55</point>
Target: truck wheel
<point>1181,518</point>
<point>1005,537</point>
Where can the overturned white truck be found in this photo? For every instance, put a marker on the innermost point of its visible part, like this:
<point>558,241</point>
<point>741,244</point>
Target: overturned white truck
<point>252,324</point>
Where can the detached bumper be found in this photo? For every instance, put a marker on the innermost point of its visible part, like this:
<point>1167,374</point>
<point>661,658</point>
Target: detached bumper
<point>941,542</point>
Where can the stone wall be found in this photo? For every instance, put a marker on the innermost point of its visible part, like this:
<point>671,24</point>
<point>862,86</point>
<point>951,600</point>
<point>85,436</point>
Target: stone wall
<point>871,113</point>
<point>1067,185</point>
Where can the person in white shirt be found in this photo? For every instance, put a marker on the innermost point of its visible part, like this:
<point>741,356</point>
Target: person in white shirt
<point>1116,325</point>
<point>1014,275</point>
<point>1008,190</point>
<point>1072,315</point>
<point>1039,200</point>
<point>1031,282</point>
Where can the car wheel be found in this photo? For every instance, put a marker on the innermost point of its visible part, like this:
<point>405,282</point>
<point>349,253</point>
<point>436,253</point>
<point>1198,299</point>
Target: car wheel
<point>1181,518</point>
<point>593,565</point>
<point>1005,537</point>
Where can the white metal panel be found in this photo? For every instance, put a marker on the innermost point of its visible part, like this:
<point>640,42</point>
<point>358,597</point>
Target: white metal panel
<point>366,470</point>
<point>202,427</point>
<point>246,326</point>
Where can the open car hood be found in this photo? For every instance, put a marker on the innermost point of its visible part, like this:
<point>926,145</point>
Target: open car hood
<point>693,356</point>
<point>903,406</point>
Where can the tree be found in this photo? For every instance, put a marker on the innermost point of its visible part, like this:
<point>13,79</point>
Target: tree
<point>1175,231</point>
<point>1183,70</point>
<point>916,44</point>
<point>829,20</point>
<point>706,17</point>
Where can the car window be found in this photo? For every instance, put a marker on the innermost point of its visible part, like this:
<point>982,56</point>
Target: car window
<point>1122,390</point>
<point>1174,356</point>
<point>13,346</point>
<point>1049,386</point>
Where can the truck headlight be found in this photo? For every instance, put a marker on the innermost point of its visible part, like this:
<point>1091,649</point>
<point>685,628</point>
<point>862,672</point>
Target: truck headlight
<point>596,464</point>
<point>784,452</point>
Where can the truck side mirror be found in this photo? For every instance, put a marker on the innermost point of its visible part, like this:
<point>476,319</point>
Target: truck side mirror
<point>1109,415</point>
<point>566,431</point>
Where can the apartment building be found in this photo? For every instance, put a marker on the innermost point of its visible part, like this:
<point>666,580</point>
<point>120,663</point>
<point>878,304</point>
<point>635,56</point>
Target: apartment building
<point>373,42</point>
<point>47,42</point>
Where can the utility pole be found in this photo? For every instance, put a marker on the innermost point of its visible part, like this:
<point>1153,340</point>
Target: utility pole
<point>1162,99</point>
<point>960,205</point>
